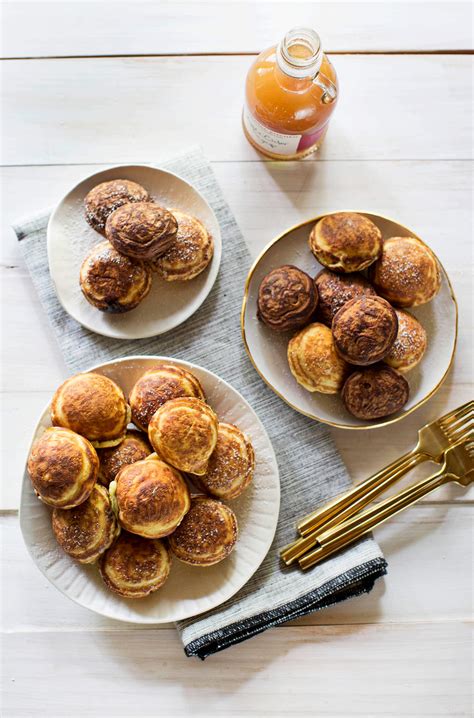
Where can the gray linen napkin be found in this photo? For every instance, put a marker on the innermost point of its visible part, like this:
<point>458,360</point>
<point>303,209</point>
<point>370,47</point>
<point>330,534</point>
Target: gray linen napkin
<point>311,471</point>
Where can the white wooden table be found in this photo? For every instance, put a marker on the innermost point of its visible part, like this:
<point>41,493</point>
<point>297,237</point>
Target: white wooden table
<point>90,84</point>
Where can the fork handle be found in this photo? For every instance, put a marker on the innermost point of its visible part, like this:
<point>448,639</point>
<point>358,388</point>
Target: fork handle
<point>339,536</point>
<point>351,501</point>
<point>342,507</point>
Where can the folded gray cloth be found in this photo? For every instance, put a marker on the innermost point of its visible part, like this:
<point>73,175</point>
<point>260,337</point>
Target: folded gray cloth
<point>311,470</point>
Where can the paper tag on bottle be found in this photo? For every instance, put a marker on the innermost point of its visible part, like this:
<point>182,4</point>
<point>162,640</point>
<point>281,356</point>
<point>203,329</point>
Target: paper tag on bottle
<point>276,142</point>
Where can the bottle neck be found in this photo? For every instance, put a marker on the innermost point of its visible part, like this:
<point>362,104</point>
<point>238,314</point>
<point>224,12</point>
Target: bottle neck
<point>299,54</point>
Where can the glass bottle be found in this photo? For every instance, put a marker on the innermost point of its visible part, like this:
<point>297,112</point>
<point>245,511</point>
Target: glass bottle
<point>291,93</point>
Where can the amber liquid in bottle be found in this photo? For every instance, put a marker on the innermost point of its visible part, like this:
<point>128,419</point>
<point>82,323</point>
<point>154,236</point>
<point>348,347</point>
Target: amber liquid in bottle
<point>291,93</point>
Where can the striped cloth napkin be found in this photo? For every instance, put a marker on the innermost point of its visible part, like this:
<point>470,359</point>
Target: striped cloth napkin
<point>311,470</point>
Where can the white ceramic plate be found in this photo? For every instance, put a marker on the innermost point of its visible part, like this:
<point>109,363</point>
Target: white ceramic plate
<point>70,238</point>
<point>267,349</point>
<point>189,590</point>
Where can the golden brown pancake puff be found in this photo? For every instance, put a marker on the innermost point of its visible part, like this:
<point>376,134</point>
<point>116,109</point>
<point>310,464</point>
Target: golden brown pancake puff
<point>364,330</point>
<point>112,282</point>
<point>88,530</point>
<point>151,498</point>
<point>94,406</point>
<point>134,566</point>
<point>189,255</point>
<point>410,344</point>
<point>183,432</point>
<point>375,392</point>
<point>134,447</point>
<point>345,242</point>
<point>314,361</point>
<point>158,385</point>
<point>407,273</point>
<point>207,534</point>
<point>142,230</point>
<point>63,468</point>
<point>106,197</point>
<point>287,298</point>
<point>231,466</point>
<point>337,289</point>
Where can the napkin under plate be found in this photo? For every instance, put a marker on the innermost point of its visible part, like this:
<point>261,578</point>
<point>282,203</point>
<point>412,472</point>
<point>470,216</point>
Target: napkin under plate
<point>311,470</point>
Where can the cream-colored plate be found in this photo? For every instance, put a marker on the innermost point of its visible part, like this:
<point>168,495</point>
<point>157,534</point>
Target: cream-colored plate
<point>70,238</point>
<point>189,590</point>
<point>267,349</point>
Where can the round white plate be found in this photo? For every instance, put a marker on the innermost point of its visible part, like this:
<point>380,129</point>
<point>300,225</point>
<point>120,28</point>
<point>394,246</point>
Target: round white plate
<point>267,349</point>
<point>189,590</point>
<point>70,238</point>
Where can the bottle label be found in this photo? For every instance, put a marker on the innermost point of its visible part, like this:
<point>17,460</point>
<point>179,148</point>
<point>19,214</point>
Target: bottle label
<point>276,142</point>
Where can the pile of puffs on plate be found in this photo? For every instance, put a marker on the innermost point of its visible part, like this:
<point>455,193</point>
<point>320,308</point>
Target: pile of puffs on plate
<point>123,495</point>
<point>351,331</point>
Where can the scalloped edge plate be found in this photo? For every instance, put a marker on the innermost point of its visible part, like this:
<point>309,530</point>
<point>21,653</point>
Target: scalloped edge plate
<point>189,590</point>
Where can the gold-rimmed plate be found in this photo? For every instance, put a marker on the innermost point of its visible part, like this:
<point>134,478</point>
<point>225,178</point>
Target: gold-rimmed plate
<point>267,349</point>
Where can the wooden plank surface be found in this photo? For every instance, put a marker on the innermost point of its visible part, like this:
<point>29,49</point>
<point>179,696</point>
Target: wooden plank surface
<point>173,28</point>
<point>134,109</point>
<point>399,144</point>
<point>428,549</point>
<point>364,670</point>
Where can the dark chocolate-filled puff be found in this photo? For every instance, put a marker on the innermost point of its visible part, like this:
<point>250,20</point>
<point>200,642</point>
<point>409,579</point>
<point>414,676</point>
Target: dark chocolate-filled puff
<point>287,298</point>
<point>364,330</point>
<point>375,392</point>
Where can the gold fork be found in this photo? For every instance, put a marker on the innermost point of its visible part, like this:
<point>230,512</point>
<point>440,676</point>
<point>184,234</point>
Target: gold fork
<point>433,440</point>
<point>458,466</point>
